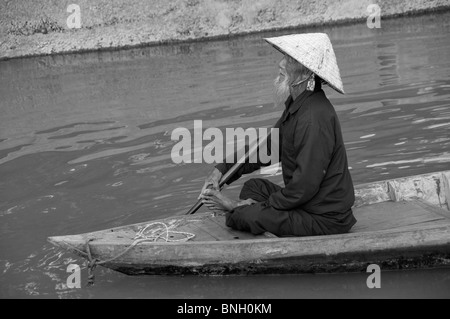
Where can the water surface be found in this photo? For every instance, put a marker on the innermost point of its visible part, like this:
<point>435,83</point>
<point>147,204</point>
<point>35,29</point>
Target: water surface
<point>85,145</point>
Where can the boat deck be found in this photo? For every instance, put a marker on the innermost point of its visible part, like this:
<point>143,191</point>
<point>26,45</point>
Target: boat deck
<point>399,215</point>
<point>375,217</point>
<point>390,215</point>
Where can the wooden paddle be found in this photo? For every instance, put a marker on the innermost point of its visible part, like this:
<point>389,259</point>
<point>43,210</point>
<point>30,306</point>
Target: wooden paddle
<point>226,177</point>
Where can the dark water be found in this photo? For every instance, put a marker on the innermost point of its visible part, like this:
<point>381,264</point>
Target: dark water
<point>85,145</point>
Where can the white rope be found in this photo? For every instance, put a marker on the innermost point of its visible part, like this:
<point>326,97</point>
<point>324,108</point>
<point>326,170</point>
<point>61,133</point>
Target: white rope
<point>165,233</point>
<point>142,237</point>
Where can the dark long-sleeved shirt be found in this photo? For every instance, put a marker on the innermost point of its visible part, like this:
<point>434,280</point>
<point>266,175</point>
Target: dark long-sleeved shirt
<point>313,158</point>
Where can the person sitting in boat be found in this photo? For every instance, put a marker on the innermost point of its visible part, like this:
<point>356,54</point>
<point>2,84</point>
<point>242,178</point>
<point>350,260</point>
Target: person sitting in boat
<point>318,193</point>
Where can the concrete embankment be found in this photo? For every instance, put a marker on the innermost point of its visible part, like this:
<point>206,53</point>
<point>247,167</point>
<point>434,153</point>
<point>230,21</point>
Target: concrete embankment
<point>30,27</point>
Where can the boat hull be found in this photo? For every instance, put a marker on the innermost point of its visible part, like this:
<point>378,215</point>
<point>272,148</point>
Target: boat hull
<point>287,260</point>
<point>402,224</point>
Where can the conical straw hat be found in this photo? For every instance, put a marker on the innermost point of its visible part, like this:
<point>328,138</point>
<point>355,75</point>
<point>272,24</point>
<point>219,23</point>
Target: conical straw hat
<point>314,51</point>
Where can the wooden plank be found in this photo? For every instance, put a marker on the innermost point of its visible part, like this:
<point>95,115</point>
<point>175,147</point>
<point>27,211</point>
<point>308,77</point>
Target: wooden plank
<point>431,208</point>
<point>234,234</point>
<point>215,229</point>
<point>111,235</point>
<point>201,234</point>
<point>208,227</point>
<point>201,227</point>
<point>432,223</point>
<point>432,187</point>
<point>390,215</point>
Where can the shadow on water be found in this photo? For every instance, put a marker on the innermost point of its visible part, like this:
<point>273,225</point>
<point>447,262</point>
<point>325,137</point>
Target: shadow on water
<point>85,142</point>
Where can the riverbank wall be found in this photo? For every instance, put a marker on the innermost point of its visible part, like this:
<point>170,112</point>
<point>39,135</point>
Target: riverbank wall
<point>32,28</point>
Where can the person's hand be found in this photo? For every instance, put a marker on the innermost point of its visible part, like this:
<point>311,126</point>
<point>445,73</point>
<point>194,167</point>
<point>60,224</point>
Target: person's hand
<point>247,201</point>
<point>212,181</point>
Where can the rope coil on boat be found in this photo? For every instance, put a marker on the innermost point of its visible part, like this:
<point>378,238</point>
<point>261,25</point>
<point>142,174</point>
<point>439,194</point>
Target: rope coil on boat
<point>141,234</point>
<point>165,234</point>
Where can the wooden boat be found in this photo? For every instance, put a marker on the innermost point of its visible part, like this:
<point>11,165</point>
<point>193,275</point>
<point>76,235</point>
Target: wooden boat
<point>402,223</point>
